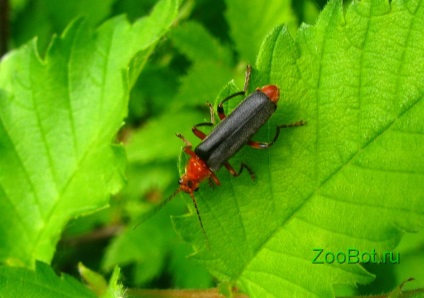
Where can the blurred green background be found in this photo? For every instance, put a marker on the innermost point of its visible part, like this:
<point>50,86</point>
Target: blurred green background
<point>169,97</point>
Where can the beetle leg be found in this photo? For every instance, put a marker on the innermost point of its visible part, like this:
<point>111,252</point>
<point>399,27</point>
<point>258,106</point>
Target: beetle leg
<point>210,181</point>
<point>187,147</point>
<point>210,106</point>
<point>242,166</point>
<point>294,124</point>
<point>247,77</point>
<point>188,144</point>
<point>214,178</point>
<point>264,145</point>
<point>221,112</point>
<point>200,134</point>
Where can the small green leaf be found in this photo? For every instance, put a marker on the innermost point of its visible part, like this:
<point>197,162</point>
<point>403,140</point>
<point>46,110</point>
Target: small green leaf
<point>43,282</point>
<point>58,117</point>
<point>351,178</point>
<point>115,288</point>
<point>95,281</point>
<point>98,284</point>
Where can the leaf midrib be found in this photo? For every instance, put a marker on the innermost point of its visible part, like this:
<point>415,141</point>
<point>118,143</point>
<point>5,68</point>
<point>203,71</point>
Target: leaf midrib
<point>88,149</point>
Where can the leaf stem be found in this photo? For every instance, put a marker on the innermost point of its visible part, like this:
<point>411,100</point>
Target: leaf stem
<point>147,293</point>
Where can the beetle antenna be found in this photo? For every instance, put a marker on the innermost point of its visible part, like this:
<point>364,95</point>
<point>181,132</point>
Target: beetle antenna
<point>200,219</point>
<point>156,209</point>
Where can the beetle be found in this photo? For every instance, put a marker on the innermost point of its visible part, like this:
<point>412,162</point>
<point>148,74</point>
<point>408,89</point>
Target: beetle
<point>228,137</point>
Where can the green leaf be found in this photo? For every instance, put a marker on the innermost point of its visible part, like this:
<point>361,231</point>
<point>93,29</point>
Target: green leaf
<point>150,85</point>
<point>62,13</point>
<point>411,251</point>
<point>115,288</point>
<point>198,44</point>
<point>133,8</point>
<point>251,21</point>
<point>351,178</point>
<point>43,282</point>
<point>200,84</point>
<point>307,10</point>
<point>42,18</point>
<point>153,248</point>
<point>188,274</point>
<point>157,140</point>
<point>212,63</point>
<point>97,283</point>
<point>58,117</point>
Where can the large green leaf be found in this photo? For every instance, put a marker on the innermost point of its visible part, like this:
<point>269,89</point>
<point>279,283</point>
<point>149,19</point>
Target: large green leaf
<point>350,179</point>
<point>58,118</point>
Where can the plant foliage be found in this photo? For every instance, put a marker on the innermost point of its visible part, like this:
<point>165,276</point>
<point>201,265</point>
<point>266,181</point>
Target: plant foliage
<point>351,178</point>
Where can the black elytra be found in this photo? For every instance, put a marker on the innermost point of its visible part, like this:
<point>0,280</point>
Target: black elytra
<point>232,133</point>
